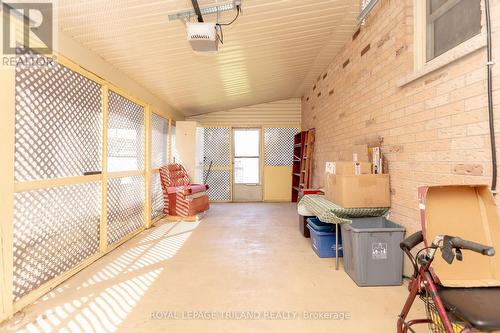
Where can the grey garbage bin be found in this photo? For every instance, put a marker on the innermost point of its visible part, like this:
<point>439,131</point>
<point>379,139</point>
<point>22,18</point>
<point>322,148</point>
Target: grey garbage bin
<point>372,256</point>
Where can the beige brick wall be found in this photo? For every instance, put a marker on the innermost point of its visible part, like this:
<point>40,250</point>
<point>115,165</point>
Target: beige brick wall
<point>433,130</point>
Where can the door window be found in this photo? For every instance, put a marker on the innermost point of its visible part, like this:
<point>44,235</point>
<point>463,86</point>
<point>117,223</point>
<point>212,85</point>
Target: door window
<point>246,156</point>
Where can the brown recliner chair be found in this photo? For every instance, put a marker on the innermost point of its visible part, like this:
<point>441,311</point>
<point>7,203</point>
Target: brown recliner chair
<point>180,197</point>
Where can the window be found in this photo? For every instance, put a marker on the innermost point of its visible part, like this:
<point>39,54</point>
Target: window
<point>444,31</point>
<point>450,23</point>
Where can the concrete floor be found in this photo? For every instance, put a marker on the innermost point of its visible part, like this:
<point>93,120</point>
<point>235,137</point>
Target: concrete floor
<point>241,260</point>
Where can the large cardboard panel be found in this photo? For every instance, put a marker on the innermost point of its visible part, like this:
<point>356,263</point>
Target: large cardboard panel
<point>358,191</point>
<point>468,212</point>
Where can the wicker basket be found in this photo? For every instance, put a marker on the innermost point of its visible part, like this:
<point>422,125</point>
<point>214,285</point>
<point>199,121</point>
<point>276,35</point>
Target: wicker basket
<point>437,325</point>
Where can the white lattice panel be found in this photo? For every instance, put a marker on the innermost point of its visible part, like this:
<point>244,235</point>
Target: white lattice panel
<point>58,123</point>
<point>219,182</point>
<point>175,154</point>
<point>157,196</point>
<point>278,146</point>
<point>54,230</point>
<point>125,206</point>
<point>216,146</point>
<point>159,141</point>
<point>125,134</point>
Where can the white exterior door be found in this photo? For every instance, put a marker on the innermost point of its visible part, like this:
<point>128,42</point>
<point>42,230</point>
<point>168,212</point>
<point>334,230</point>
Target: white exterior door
<point>247,179</point>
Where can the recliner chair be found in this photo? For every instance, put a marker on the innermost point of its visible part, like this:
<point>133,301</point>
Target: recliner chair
<point>180,196</point>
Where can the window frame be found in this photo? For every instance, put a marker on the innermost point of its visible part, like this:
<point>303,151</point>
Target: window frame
<point>421,13</point>
<point>430,21</point>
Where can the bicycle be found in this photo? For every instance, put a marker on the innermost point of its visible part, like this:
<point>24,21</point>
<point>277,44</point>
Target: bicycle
<point>448,309</point>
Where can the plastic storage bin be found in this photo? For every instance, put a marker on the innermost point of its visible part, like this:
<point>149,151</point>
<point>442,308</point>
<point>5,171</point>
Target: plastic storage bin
<point>323,242</point>
<point>317,225</point>
<point>372,254</point>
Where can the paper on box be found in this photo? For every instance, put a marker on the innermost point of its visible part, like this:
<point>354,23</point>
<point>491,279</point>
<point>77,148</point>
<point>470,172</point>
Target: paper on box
<point>376,157</point>
<point>330,167</point>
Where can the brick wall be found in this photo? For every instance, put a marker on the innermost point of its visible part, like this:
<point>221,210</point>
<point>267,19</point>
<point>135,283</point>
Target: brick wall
<point>433,130</point>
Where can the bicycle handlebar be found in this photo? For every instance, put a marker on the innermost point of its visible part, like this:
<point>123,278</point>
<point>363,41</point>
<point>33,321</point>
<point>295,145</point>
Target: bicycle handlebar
<point>451,242</point>
<point>459,243</point>
<point>448,244</point>
<point>412,241</point>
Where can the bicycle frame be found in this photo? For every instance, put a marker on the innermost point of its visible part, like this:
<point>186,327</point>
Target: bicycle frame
<point>423,281</point>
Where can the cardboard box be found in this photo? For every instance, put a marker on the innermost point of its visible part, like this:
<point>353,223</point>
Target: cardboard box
<point>350,168</point>
<point>358,191</point>
<point>469,212</point>
<point>361,152</point>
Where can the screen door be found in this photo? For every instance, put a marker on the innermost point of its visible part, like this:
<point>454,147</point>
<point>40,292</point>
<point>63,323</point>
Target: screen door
<point>247,184</point>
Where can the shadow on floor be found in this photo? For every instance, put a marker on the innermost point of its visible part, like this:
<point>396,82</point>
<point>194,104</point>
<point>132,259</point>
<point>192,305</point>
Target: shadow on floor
<point>106,297</point>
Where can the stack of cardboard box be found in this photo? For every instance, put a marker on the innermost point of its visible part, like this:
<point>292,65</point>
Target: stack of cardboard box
<point>356,183</point>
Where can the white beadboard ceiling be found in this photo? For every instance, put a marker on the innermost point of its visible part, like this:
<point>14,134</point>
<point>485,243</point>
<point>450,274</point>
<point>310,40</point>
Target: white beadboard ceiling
<point>275,50</point>
<point>286,112</point>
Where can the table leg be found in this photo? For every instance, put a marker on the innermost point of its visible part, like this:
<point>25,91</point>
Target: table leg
<point>336,246</point>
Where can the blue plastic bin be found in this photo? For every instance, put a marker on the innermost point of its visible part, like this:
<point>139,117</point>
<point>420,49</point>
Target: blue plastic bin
<point>323,243</point>
<point>317,225</point>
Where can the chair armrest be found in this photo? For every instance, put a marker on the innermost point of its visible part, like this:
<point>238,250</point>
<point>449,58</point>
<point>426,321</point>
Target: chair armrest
<point>173,189</point>
<point>196,188</point>
<point>187,190</point>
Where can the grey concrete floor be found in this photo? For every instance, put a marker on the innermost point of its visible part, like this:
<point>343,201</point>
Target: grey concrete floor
<point>243,268</point>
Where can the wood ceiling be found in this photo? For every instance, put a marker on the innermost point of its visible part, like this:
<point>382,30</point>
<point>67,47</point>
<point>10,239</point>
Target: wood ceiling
<point>273,51</point>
